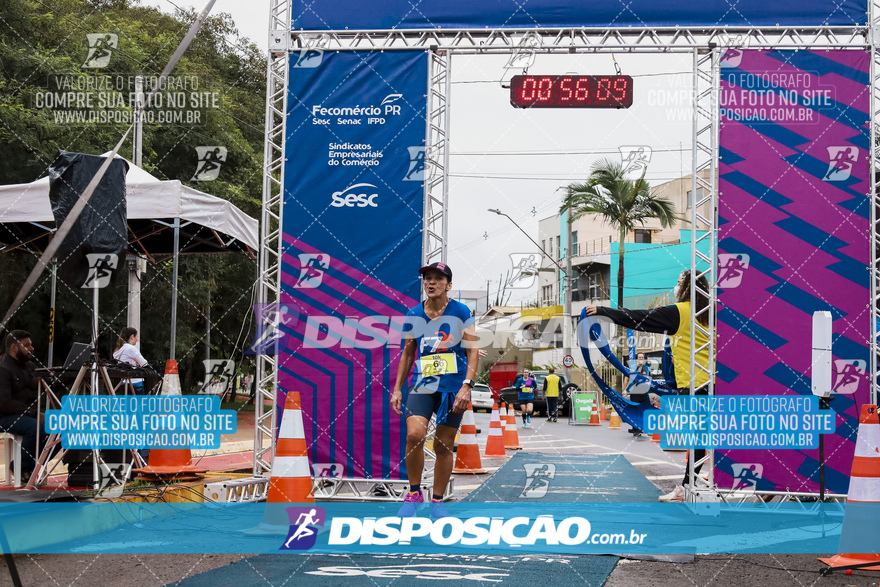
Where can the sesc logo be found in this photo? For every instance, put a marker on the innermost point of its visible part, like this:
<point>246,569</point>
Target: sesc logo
<point>360,195</point>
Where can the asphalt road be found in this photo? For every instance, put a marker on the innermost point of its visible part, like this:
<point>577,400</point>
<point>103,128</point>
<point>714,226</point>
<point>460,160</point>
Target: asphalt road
<point>661,468</point>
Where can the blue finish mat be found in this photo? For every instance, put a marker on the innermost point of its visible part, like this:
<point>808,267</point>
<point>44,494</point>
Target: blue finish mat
<point>565,478</point>
<point>366,570</point>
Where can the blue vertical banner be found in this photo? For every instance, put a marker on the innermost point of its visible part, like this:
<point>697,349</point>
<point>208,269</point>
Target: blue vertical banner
<point>353,215</point>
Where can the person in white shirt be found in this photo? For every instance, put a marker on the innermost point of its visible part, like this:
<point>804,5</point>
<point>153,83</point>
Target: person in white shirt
<point>127,352</point>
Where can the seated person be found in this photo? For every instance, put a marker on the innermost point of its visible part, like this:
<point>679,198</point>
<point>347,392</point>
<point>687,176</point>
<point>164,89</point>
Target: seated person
<point>18,399</point>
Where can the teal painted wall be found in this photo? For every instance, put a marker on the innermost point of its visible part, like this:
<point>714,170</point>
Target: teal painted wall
<point>651,269</point>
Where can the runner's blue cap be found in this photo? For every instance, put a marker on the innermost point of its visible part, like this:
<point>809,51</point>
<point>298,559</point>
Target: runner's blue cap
<point>441,267</point>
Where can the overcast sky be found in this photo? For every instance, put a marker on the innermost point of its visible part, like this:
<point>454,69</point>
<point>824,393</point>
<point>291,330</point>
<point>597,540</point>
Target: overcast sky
<point>516,160</point>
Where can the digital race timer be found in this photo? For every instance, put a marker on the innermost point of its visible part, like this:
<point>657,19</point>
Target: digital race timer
<point>571,91</point>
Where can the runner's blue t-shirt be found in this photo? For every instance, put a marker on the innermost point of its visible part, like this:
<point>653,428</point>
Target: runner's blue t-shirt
<point>441,359</point>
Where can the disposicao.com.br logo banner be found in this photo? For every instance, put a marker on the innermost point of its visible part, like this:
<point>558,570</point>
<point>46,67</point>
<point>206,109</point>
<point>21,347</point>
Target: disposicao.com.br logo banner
<point>470,528</point>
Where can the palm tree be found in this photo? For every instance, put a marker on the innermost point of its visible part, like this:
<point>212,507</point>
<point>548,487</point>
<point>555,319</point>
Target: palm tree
<point>620,201</point>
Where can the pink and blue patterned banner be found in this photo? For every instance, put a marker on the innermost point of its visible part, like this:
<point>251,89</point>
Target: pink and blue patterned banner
<point>794,238</point>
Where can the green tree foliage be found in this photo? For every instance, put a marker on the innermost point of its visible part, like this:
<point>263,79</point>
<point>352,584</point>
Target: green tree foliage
<point>42,41</point>
<point>621,202</point>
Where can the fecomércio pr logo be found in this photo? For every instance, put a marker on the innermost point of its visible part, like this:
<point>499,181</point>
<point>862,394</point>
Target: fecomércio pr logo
<point>304,523</point>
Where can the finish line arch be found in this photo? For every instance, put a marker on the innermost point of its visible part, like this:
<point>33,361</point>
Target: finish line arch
<point>822,42</point>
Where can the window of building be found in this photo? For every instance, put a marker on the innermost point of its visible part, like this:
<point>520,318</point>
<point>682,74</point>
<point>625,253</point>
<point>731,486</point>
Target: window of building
<point>574,237</point>
<point>547,293</point>
<point>690,197</point>
<point>596,291</point>
<point>559,246</point>
<point>550,242</point>
<point>643,235</point>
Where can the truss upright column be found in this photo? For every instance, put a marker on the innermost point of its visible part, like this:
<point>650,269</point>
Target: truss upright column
<point>271,241</point>
<point>434,235</point>
<point>874,47</point>
<point>704,159</point>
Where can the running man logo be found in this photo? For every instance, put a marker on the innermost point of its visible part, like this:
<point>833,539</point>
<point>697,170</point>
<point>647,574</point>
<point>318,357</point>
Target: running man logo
<point>417,158</point>
<point>732,48</point>
<point>327,470</point>
<point>101,47</point>
<point>524,56</point>
<point>309,59</point>
<point>635,158</point>
<point>209,160</point>
<point>848,375</point>
<point>303,531</point>
<point>746,475</point>
<point>840,162</point>
<point>218,372</point>
<point>731,269</point>
<point>538,477</point>
<point>101,267</point>
<point>311,270</point>
<point>274,322</point>
<point>524,270</point>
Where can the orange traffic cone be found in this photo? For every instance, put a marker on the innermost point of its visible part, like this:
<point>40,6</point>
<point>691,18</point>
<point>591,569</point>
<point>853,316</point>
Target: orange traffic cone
<point>170,464</point>
<point>864,487</point>
<point>495,443</point>
<point>511,436</point>
<point>291,480</point>
<point>603,415</point>
<point>594,416</point>
<point>614,421</point>
<point>467,457</point>
<point>656,437</point>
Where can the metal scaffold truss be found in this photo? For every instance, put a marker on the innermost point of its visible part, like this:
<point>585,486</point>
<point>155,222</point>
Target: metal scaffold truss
<point>706,44</point>
<point>564,40</point>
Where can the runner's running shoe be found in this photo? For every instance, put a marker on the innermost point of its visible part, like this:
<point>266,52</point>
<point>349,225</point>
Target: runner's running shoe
<point>676,495</point>
<point>438,510</point>
<point>412,503</point>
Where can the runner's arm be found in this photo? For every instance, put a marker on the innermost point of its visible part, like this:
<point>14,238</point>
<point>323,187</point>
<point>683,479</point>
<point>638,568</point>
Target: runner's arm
<point>657,320</point>
<point>469,341</point>
<point>407,358</point>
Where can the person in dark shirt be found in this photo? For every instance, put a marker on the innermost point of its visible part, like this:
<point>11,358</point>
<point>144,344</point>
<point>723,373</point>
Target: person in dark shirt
<point>18,398</point>
<point>674,321</point>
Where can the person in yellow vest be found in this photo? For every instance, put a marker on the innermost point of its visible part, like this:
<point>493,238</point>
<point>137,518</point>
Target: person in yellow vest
<point>675,322</point>
<point>551,394</point>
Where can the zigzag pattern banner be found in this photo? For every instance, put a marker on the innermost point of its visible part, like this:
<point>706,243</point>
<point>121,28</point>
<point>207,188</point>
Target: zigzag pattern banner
<point>794,238</point>
<point>353,214</point>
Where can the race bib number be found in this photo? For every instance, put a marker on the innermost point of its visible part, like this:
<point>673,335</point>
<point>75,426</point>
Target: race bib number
<point>435,365</point>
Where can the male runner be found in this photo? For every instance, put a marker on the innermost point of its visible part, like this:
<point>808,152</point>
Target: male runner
<point>441,341</point>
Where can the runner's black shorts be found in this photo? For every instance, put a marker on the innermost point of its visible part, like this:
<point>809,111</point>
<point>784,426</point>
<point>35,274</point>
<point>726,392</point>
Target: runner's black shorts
<point>426,404</point>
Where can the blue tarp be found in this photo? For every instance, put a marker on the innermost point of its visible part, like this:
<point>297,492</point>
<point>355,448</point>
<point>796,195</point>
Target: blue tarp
<point>470,14</point>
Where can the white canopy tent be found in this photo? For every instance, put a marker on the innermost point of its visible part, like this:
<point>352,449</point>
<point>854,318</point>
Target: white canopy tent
<point>162,214</point>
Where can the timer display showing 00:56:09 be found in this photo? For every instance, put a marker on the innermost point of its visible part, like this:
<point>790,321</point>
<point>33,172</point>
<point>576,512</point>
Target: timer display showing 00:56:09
<point>571,91</point>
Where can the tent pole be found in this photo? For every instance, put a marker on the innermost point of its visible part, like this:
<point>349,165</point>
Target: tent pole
<point>52,311</point>
<point>174,287</point>
<point>138,136</point>
<point>134,294</point>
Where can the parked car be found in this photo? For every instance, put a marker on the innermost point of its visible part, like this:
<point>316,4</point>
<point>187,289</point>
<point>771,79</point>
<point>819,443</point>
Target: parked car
<point>481,397</point>
<point>509,394</point>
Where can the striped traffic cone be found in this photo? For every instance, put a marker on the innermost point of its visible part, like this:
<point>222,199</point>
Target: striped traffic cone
<point>614,421</point>
<point>495,443</point>
<point>511,436</point>
<point>656,437</point>
<point>171,380</point>
<point>291,480</point>
<point>594,416</point>
<point>864,487</point>
<point>170,464</point>
<point>467,457</point>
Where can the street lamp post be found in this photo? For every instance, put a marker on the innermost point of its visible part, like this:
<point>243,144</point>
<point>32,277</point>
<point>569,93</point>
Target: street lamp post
<point>566,311</point>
